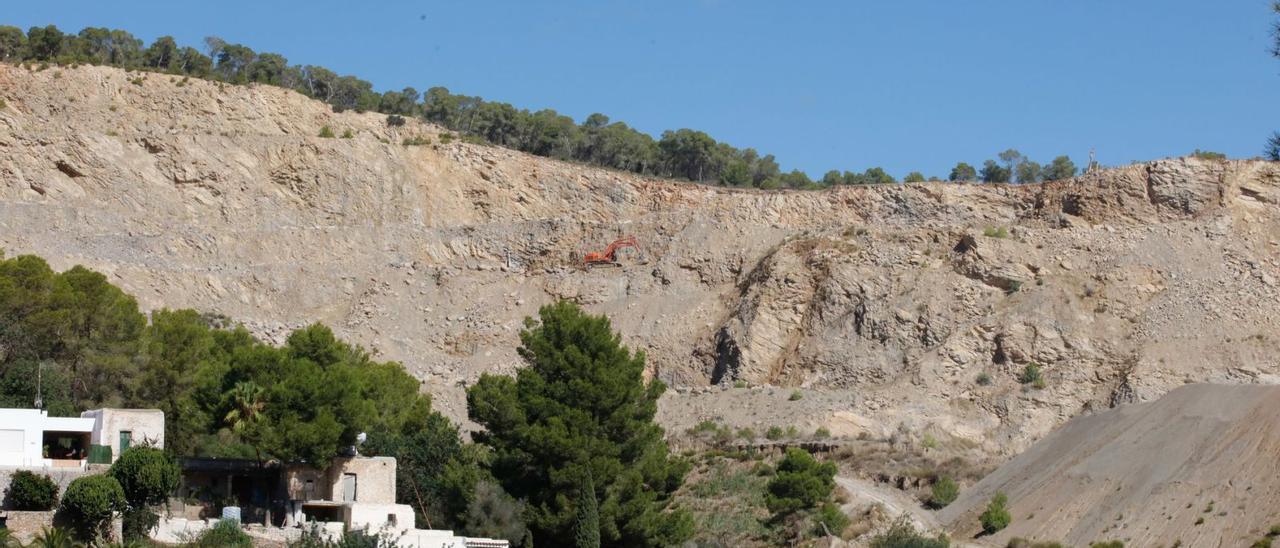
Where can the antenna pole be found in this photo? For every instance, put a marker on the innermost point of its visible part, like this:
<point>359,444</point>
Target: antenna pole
<point>39,385</point>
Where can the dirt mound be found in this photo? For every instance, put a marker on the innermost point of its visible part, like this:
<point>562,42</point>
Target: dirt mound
<point>893,301</point>
<point>1197,465</point>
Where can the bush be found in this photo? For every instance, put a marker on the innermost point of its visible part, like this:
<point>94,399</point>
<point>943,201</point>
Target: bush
<point>3,104</point>
<point>996,516</point>
<point>326,132</point>
<point>226,534</point>
<point>801,482</point>
<point>944,492</point>
<point>1019,542</point>
<point>1031,375</point>
<point>1109,544</point>
<point>831,520</point>
<point>347,134</point>
<point>984,379</point>
<point>706,426</point>
<point>446,138</point>
<point>821,433</point>
<point>137,523</point>
<point>395,120</point>
<point>774,433</point>
<point>796,395</point>
<point>29,491</point>
<point>903,535</point>
<point>52,538</point>
<point>740,384</point>
<point>992,232</point>
<point>146,475</point>
<point>1208,155</point>
<point>415,141</point>
<point>91,501</point>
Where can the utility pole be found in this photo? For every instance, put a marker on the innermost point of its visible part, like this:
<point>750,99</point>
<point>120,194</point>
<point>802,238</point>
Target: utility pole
<point>39,385</point>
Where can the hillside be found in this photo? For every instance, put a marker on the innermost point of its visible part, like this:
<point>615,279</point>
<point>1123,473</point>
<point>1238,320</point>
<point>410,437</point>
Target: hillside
<point>887,303</point>
<point>1196,466</point>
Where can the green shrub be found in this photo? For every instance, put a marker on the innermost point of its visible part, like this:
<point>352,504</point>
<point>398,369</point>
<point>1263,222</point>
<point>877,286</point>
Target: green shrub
<point>1019,542</point>
<point>746,433</point>
<point>1264,542</point>
<point>796,395</point>
<point>902,534</point>
<point>90,501</point>
<point>706,426</point>
<point>226,534</point>
<point>146,475</point>
<point>993,232</point>
<point>137,523</point>
<point>446,138</point>
<point>984,379</point>
<point>53,538</point>
<point>944,492</point>
<point>800,482</point>
<point>1031,375</point>
<point>415,141</point>
<point>996,516</point>
<point>740,383</point>
<point>326,132</point>
<point>29,491</point>
<point>929,442</point>
<point>1108,544</point>
<point>395,120</point>
<point>3,105</point>
<point>831,520</point>
<point>348,134</point>
<point>1208,155</point>
<point>774,433</point>
<point>1274,531</point>
<point>821,433</point>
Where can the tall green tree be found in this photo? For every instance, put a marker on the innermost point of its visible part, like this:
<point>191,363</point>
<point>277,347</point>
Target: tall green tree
<point>994,173</point>
<point>1028,172</point>
<point>586,533</point>
<point>963,172</point>
<point>1060,168</point>
<point>12,43</point>
<point>580,406</point>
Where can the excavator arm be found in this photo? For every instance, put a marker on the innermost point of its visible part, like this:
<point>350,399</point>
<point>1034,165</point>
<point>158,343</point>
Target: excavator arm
<point>609,255</point>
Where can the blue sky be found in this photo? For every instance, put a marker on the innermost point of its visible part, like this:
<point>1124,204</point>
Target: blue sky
<point>903,84</point>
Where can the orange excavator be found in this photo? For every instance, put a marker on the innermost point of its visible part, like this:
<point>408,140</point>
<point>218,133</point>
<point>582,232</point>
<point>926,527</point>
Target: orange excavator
<point>609,255</point>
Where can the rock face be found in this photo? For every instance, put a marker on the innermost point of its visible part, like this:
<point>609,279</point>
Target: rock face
<point>1121,284</point>
<point>1196,467</point>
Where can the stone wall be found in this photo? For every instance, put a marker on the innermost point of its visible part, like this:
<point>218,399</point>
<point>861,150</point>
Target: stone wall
<point>26,525</point>
<point>61,476</point>
<point>375,478</point>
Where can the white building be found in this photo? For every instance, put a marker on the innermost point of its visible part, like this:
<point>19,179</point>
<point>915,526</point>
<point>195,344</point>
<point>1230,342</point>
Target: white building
<point>31,438</point>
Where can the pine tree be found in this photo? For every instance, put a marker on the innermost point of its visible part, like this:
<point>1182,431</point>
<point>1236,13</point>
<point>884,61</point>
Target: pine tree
<point>581,404</point>
<point>587,529</point>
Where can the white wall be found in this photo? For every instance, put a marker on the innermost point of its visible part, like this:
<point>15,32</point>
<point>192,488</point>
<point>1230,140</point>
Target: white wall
<point>22,434</point>
<point>146,426</point>
<point>373,517</point>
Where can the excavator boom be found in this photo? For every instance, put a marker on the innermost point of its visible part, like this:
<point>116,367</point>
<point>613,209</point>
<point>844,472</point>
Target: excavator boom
<point>609,255</point>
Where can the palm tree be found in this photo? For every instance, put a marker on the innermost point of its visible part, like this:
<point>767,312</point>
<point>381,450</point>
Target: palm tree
<point>246,411</point>
<point>54,538</point>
